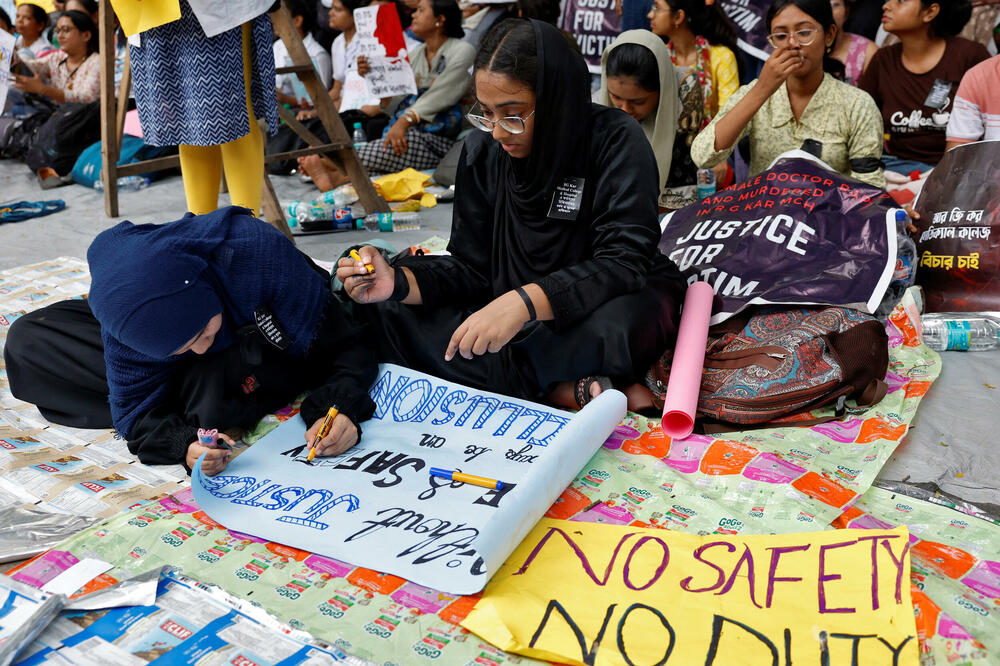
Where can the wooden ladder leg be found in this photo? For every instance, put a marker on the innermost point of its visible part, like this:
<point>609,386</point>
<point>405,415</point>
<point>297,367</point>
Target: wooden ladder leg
<point>270,209</point>
<point>282,21</point>
<point>110,147</point>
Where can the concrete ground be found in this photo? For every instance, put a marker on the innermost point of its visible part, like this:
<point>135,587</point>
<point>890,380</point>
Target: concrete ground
<point>951,446</point>
<point>69,233</point>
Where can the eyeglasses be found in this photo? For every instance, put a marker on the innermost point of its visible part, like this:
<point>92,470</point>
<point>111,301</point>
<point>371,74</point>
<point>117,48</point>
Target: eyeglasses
<point>511,124</point>
<point>803,37</point>
<point>63,30</point>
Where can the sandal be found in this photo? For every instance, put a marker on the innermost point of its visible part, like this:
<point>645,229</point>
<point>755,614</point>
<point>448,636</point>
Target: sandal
<point>582,391</point>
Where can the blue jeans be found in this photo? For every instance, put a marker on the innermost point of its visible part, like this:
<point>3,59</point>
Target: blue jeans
<point>905,167</point>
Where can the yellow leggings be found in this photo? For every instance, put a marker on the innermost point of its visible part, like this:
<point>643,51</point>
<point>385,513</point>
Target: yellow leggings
<point>243,160</point>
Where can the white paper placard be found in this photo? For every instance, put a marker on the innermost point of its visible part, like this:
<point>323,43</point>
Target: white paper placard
<point>380,40</point>
<point>376,505</point>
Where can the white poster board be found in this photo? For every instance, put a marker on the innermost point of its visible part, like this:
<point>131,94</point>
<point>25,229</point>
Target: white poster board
<point>376,505</point>
<point>6,52</point>
<point>381,41</point>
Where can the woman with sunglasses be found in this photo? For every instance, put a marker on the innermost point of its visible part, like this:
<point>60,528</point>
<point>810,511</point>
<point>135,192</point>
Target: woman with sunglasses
<point>553,289</point>
<point>795,103</point>
<point>425,125</point>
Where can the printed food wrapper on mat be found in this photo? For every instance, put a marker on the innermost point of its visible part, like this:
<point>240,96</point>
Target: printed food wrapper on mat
<point>376,505</point>
<point>798,233</point>
<point>24,613</point>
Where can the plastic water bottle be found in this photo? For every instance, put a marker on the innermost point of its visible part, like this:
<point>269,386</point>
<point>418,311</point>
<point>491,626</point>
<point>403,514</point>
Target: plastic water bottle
<point>904,273</point>
<point>706,183</point>
<point>125,183</point>
<point>358,135</point>
<point>961,331</point>
<point>392,222</point>
<point>341,197</point>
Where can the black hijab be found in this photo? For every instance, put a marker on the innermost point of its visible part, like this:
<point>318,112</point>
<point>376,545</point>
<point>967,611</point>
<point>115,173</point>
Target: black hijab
<point>527,244</point>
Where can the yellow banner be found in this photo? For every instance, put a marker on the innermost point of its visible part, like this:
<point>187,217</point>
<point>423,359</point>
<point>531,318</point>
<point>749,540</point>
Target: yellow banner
<point>138,15</point>
<point>44,4</point>
<point>587,593</point>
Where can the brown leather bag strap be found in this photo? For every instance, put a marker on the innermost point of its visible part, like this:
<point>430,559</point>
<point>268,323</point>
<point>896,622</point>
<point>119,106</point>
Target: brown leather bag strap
<point>873,393</point>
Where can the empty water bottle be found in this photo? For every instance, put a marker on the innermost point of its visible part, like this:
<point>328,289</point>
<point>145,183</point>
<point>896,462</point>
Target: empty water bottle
<point>392,222</point>
<point>961,331</point>
<point>358,135</point>
<point>340,197</point>
<point>706,183</point>
<point>904,273</point>
<point>125,183</point>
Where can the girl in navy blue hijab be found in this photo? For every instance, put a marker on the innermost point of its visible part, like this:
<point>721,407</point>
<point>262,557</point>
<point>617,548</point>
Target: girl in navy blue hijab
<point>211,321</point>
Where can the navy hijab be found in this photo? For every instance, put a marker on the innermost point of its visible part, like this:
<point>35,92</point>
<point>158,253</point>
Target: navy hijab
<point>155,287</point>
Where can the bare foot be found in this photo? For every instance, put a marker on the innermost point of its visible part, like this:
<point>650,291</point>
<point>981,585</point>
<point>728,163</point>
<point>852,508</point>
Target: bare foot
<point>324,175</point>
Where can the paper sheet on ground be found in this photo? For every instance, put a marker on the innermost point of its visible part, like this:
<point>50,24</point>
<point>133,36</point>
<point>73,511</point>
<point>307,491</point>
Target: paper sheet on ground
<point>601,594</point>
<point>376,504</point>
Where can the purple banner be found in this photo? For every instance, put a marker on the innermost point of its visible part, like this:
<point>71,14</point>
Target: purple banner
<point>798,233</point>
<point>594,24</point>
<point>748,17</point>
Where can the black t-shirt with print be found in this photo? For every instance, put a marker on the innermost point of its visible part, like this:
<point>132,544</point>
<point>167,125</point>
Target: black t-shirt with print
<point>914,130</point>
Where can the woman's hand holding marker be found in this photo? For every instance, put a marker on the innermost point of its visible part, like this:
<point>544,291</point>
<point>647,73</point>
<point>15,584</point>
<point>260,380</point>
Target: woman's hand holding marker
<point>342,435</point>
<point>367,279</point>
<point>216,458</point>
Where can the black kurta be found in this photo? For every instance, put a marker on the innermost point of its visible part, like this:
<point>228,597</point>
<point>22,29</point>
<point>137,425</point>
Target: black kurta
<point>613,295</point>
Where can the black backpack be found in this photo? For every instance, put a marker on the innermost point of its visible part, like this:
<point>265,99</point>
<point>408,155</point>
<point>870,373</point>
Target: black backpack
<point>59,142</point>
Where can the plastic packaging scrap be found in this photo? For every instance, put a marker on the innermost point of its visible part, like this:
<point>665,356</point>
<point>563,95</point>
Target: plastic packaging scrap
<point>27,612</point>
<point>406,184</point>
<point>27,532</point>
<point>961,331</point>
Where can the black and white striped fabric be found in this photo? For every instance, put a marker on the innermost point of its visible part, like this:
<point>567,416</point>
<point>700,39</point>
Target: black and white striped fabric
<point>423,151</point>
<point>189,88</point>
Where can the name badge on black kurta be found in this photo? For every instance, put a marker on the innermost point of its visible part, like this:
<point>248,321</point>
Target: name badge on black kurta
<point>567,198</point>
<point>271,329</point>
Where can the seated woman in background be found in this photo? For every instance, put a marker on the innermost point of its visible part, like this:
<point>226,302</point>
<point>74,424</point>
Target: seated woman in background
<point>74,73</point>
<point>853,50</point>
<point>702,48</point>
<point>30,22</point>
<point>796,104</point>
<point>424,125</point>
<point>304,20</point>
<point>169,341</point>
<point>914,82</point>
<point>637,77</point>
<point>554,288</point>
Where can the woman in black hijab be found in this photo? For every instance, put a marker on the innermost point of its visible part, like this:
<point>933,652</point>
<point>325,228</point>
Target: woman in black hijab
<point>553,265</point>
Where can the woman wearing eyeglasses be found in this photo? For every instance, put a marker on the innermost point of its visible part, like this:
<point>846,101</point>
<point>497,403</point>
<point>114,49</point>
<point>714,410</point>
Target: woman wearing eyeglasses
<point>425,125</point>
<point>794,101</point>
<point>74,73</point>
<point>554,289</point>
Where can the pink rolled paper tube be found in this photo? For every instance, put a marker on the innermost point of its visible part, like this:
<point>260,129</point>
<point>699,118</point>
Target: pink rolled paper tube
<point>681,401</point>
